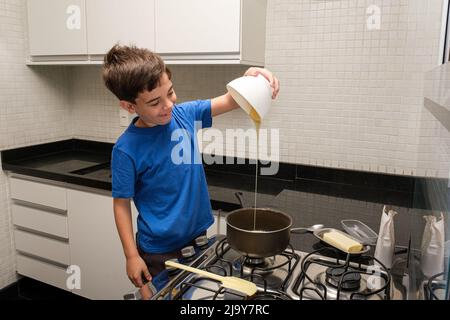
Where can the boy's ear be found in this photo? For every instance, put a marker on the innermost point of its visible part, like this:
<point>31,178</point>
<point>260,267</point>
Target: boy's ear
<point>127,106</point>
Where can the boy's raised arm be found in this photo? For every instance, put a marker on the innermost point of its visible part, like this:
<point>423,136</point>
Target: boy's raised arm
<point>225,103</point>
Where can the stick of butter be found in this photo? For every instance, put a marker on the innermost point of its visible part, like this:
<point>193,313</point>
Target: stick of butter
<point>342,242</point>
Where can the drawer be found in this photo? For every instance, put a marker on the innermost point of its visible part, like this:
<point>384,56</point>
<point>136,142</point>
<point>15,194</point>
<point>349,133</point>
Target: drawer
<point>40,220</point>
<point>40,193</point>
<point>42,271</point>
<point>42,246</point>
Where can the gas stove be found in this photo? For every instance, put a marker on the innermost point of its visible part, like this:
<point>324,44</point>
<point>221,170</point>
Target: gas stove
<point>290,275</point>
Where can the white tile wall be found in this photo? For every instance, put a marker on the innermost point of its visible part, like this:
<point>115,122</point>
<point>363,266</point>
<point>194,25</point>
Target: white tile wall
<point>7,254</point>
<point>34,108</point>
<point>95,111</point>
<point>357,93</point>
<point>350,97</point>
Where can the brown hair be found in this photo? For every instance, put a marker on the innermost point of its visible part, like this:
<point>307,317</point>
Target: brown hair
<point>128,70</point>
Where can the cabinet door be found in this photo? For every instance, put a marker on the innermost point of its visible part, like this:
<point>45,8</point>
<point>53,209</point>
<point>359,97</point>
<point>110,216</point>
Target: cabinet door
<point>127,22</point>
<point>57,27</point>
<point>95,246</point>
<point>197,26</point>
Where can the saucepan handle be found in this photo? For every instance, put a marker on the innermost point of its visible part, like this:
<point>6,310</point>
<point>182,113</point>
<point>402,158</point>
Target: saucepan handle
<point>299,230</point>
<point>240,196</point>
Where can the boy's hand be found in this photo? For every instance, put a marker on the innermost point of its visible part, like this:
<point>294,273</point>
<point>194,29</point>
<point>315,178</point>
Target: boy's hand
<point>136,270</point>
<point>225,103</point>
<point>274,82</point>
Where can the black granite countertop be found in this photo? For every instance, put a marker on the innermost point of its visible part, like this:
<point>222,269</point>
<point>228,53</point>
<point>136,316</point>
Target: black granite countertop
<point>72,161</point>
<point>310,195</point>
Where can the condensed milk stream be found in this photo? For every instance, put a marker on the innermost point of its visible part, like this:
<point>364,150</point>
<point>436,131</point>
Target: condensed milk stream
<point>257,121</point>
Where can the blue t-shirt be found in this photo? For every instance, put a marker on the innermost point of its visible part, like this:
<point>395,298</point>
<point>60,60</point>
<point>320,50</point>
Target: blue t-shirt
<point>160,168</point>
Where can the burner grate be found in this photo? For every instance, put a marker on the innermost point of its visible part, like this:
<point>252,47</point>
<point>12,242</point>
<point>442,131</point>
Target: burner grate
<point>435,287</point>
<point>327,278</point>
<point>271,275</point>
<point>248,267</point>
<point>217,292</point>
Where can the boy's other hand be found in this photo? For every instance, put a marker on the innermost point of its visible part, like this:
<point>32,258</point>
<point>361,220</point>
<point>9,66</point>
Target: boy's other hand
<point>136,270</point>
<point>274,82</point>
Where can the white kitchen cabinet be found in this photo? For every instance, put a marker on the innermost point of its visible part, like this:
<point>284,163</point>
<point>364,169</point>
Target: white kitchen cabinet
<point>201,26</point>
<point>82,31</point>
<point>226,31</point>
<point>95,246</point>
<point>39,217</point>
<point>184,32</point>
<point>112,21</point>
<point>52,274</point>
<point>43,246</point>
<point>57,28</point>
<point>56,227</point>
<point>38,193</point>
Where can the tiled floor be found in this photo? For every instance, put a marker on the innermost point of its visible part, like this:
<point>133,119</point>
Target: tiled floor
<point>30,289</point>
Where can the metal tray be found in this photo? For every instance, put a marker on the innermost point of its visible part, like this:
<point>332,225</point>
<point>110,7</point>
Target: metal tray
<point>319,234</point>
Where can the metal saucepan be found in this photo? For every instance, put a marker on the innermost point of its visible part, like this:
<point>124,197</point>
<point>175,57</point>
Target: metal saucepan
<point>270,236</point>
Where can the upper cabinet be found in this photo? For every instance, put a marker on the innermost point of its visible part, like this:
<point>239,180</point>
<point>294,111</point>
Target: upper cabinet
<point>201,26</point>
<point>57,27</point>
<point>82,31</point>
<point>222,31</point>
<point>183,32</point>
<point>112,21</point>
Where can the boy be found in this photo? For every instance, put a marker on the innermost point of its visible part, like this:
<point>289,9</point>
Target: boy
<point>172,199</point>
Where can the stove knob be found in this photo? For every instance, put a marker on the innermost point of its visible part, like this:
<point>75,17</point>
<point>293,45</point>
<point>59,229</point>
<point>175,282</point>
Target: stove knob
<point>201,241</point>
<point>188,252</point>
<point>172,270</point>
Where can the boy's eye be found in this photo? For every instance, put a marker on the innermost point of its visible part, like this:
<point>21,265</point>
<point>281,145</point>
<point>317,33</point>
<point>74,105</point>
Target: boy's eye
<point>170,93</point>
<point>154,104</point>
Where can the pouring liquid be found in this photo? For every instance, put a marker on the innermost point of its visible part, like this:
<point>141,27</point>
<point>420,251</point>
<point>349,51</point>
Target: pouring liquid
<point>257,121</point>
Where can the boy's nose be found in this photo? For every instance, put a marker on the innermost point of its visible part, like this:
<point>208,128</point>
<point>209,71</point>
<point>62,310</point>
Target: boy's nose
<point>168,105</point>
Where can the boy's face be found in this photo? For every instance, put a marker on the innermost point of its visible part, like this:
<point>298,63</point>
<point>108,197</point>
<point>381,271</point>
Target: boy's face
<point>153,107</point>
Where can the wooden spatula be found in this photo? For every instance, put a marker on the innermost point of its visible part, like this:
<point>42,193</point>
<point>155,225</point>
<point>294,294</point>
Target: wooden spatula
<point>234,283</point>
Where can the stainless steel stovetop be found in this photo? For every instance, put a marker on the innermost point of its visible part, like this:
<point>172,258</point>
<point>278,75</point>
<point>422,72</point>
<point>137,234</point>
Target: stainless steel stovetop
<point>291,275</point>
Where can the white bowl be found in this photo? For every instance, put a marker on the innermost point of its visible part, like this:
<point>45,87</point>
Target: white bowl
<point>252,93</point>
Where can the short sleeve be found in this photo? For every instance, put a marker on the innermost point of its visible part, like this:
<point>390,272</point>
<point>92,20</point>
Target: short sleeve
<point>123,175</point>
<point>199,110</point>
<point>203,113</point>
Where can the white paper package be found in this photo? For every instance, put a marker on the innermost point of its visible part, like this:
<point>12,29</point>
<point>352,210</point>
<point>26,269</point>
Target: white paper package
<point>433,246</point>
<point>384,250</point>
